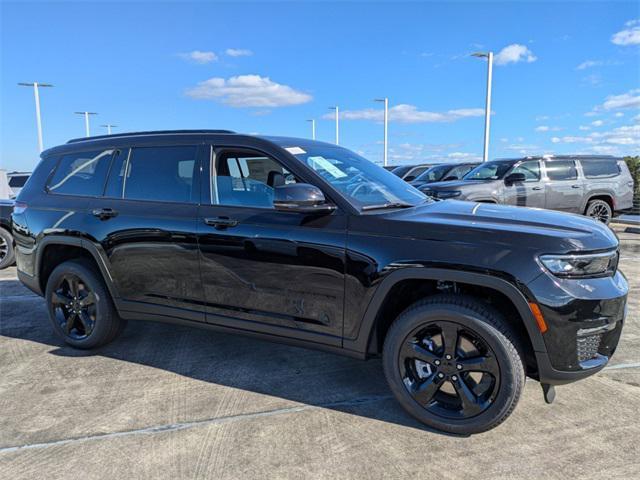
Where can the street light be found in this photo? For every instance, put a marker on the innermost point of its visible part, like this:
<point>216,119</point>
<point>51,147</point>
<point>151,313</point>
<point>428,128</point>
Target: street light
<point>86,121</point>
<point>385,100</point>
<point>337,109</point>
<point>36,95</point>
<point>108,126</point>
<point>487,108</point>
<point>313,128</point>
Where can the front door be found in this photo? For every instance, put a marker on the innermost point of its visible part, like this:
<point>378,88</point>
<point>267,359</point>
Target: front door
<point>531,192</point>
<point>265,270</point>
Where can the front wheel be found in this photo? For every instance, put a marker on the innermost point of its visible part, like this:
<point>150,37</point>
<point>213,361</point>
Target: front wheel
<point>453,363</point>
<point>599,210</point>
<point>7,255</point>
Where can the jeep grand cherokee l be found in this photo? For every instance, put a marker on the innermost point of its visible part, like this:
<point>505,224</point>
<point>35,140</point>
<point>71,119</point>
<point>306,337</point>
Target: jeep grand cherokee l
<point>596,186</point>
<point>308,243</point>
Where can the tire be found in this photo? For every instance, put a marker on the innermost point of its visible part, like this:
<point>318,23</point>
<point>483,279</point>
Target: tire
<point>7,253</point>
<point>599,210</point>
<point>493,347</point>
<point>99,324</point>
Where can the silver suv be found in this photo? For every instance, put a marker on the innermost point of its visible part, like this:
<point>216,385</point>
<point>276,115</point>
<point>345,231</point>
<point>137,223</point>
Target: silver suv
<point>594,186</point>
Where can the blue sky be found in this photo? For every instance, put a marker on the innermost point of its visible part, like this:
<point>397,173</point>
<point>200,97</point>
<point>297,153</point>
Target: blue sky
<point>566,78</point>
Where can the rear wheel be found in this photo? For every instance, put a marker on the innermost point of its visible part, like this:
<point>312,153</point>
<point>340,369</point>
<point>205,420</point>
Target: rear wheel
<point>7,254</point>
<point>599,210</point>
<point>80,307</point>
<point>452,363</point>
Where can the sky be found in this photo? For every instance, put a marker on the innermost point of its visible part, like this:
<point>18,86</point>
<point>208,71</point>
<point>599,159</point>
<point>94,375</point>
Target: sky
<point>566,76</point>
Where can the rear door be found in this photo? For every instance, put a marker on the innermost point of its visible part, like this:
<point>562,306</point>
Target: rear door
<point>265,270</point>
<point>146,226</point>
<point>564,189</point>
<point>531,192</point>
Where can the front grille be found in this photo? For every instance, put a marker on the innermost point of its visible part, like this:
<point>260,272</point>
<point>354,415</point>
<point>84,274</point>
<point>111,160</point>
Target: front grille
<point>587,347</point>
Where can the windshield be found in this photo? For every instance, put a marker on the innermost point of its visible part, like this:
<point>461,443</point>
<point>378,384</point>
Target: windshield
<point>366,184</point>
<point>489,170</point>
<point>434,174</point>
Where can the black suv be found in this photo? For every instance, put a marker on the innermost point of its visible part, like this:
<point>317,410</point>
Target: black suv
<point>308,243</point>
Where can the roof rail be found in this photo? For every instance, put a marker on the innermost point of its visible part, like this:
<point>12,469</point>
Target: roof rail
<point>142,134</point>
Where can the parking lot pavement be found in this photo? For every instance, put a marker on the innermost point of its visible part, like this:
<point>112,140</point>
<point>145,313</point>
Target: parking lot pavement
<point>166,401</point>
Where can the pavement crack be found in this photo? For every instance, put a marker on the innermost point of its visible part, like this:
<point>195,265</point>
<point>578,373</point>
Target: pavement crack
<point>196,423</point>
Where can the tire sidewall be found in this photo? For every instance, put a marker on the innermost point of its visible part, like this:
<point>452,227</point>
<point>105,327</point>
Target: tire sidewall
<point>103,308</point>
<point>511,378</point>
<point>10,256</point>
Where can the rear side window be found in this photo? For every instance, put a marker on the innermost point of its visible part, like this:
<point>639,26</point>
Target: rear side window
<point>531,170</point>
<point>562,170</point>
<point>81,173</point>
<point>163,174</point>
<point>600,168</point>
<point>18,181</point>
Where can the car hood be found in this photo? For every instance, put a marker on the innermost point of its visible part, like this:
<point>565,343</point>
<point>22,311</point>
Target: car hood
<point>459,184</point>
<point>476,224</point>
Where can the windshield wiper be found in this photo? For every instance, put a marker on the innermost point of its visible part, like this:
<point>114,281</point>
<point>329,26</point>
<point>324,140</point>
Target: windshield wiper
<point>387,205</point>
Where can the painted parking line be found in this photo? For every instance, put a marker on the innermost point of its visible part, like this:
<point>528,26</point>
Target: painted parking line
<point>623,366</point>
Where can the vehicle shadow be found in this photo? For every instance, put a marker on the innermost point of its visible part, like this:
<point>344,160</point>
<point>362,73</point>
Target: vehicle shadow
<point>305,376</point>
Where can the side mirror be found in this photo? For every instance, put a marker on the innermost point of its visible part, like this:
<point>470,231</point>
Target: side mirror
<point>515,178</point>
<point>301,198</point>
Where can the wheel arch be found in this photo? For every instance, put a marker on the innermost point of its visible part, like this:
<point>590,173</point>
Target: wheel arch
<point>368,329</point>
<point>67,248</point>
<point>607,196</point>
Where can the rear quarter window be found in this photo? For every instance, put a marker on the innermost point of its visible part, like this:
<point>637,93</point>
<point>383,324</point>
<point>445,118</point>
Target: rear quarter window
<point>81,173</point>
<point>600,168</point>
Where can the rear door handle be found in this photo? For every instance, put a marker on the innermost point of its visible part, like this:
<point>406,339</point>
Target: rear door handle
<point>104,213</point>
<point>221,222</point>
<point>537,188</point>
<point>576,186</point>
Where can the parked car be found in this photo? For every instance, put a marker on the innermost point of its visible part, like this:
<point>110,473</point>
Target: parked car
<point>390,168</point>
<point>410,172</point>
<point>596,186</point>
<point>17,181</point>
<point>7,257</point>
<point>443,173</point>
<point>310,244</point>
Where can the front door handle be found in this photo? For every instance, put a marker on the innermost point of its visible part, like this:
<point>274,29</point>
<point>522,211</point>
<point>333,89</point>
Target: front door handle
<point>536,188</point>
<point>221,222</point>
<point>104,213</point>
<point>575,186</point>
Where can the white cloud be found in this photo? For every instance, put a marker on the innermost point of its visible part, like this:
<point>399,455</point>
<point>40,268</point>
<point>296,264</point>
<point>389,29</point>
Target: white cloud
<point>631,99</point>
<point>238,52</point>
<point>584,128</point>
<point>198,56</point>
<point>588,64</point>
<point>546,128</point>
<point>618,114</point>
<point>628,36</point>
<point>248,91</point>
<point>570,139</point>
<point>514,53</point>
<point>464,157</point>
<point>597,123</point>
<point>404,113</point>
<point>619,141</point>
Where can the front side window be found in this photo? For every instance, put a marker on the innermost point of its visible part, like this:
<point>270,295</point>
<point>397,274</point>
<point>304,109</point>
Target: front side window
<point>561,170</point>
<point>162,174</point>
<point>600,168</point>
<point>247,179</point>
<point>81,173</point>
<point>495,170</point>
<point>367,185</point>
<point>458,172</point>
<point>531,170</point>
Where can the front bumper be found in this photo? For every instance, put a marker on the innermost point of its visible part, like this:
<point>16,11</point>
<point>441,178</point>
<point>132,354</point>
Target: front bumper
<point>584,318</point>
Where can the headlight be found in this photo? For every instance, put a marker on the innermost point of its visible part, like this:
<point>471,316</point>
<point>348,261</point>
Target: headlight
<point>448,193</point>
<point>575,266</point>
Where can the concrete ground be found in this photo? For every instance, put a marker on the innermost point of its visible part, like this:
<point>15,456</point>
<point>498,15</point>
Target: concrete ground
<point>170,402</point>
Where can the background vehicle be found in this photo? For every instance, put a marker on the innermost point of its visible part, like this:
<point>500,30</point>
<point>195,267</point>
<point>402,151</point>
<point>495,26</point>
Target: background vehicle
<point>596,186</point>
<point>443,173</point>
<point>309,243</point>
<point>410,172</point>
<point>7,257</point>
<point>17,181</point>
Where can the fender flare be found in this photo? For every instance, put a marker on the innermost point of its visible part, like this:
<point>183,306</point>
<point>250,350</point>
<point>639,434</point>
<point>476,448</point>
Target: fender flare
<point>367,327</point>
<point>85,245</point>
<point>597,193</point>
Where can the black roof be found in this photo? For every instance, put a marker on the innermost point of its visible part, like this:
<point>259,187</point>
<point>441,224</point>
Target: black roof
<point>148,133</point>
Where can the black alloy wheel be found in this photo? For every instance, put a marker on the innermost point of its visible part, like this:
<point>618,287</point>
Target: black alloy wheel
<point>74,307</point>
<point>449,370</point>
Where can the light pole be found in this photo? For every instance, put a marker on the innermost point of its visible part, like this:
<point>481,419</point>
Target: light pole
<point>86,121</point>
<point>108,126</point>
<point>337,109</point>
<point>487,108</point>
<point>36,95</point>
<point>386,125</point>
<point>313,128</point>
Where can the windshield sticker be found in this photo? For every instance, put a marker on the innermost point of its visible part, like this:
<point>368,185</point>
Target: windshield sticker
<point>324,164</point>
<point>295,150</point>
